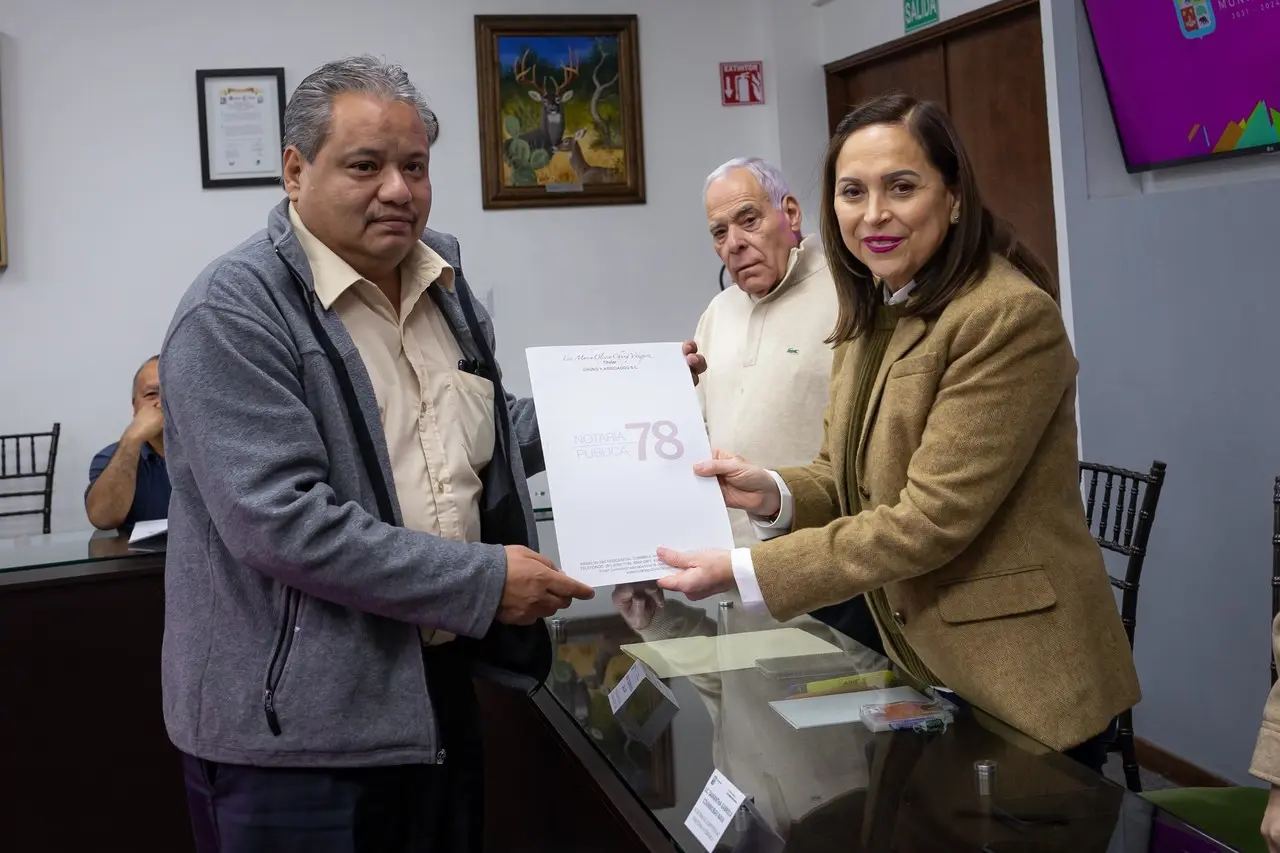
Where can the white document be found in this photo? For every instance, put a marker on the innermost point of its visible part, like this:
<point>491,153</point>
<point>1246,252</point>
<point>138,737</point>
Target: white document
<point>148,530</point>
<point>715,808</point>
<point>621,430</point>
<point>696,655</point>
<point>813,711</point>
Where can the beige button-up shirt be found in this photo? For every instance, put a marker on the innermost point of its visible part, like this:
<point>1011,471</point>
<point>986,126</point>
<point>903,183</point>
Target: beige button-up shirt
<point>438,420</point>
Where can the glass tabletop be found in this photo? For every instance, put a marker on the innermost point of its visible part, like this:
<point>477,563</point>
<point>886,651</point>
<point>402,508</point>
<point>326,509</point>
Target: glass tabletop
<point>816,777</point>
<point>21,553</point>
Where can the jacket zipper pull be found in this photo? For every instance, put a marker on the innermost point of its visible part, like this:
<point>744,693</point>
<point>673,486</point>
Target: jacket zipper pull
<point>269,704</point>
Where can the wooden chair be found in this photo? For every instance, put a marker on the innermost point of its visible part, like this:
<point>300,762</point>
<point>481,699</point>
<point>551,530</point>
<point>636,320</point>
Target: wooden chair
<point>1232,815</point>
<point>18,461</point>
<point>1133,496</point>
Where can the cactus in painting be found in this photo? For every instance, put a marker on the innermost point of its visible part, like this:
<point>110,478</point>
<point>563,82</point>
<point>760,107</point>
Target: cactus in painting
<point>523,160</point>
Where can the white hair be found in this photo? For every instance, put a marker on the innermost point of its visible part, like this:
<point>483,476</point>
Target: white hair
<point>769,177</point>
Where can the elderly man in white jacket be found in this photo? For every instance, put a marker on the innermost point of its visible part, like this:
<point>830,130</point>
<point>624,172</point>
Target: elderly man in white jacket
<point>764,339</point>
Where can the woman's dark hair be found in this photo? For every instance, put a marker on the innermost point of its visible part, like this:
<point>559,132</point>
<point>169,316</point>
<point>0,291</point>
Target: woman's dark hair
<point>966,250</point>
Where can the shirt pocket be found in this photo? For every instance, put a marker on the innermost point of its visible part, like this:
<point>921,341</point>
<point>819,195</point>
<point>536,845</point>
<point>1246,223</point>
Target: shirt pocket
<point>474,397</point>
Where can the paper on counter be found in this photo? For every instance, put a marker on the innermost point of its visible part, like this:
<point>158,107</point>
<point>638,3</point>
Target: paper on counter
<point>621,430</point>
<point>698,655</point>
<point>814,711</point>
<point>148,530</point>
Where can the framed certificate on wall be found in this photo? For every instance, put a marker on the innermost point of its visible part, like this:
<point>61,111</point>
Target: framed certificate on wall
<point>241,120</point>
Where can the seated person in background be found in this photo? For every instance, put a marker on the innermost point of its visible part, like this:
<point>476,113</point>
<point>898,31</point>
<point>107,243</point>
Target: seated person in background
<point>128,481</point>
<point>765,341</point>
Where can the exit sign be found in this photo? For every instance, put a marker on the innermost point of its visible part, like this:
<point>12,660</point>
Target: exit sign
<point>917,14</point>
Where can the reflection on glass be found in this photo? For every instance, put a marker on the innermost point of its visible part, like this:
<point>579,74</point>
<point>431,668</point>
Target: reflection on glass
<point>589,664</point>
<point>790,775</point>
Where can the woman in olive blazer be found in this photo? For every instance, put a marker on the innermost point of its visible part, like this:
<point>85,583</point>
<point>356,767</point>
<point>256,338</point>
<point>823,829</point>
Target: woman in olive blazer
<point>947,488</point>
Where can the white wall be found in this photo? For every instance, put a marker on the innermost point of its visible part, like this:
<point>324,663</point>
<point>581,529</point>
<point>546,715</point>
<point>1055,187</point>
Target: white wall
<point>108,223</point>
<point>799,91</point>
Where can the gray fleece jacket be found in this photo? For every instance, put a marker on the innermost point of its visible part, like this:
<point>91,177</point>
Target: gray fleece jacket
<point>292,603</point>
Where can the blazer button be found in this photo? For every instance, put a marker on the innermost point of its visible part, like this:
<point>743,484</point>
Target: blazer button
<point>900,618</point>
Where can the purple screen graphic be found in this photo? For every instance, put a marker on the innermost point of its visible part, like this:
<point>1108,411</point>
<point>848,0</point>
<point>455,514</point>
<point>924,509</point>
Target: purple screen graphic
<point>1190,78</point>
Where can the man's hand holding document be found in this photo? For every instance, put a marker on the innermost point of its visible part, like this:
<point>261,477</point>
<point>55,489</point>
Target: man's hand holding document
<point>621,430</point>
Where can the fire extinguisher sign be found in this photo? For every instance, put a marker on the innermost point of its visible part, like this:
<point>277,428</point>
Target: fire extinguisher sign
<point>741,83</point>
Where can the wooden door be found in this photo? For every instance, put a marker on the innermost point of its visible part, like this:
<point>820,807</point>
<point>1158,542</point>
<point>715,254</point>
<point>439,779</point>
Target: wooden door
<point>921,71</point>
<point>995,94</point>
<point>987,69</point>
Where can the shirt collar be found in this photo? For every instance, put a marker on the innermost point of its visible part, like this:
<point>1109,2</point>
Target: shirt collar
<point>891,298</point>
<point>333,276</point>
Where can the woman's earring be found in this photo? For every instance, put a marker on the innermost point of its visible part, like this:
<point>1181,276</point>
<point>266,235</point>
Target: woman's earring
<point>955,214</point>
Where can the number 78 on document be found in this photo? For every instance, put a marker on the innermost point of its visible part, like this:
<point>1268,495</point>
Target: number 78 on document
<point>642,441</point>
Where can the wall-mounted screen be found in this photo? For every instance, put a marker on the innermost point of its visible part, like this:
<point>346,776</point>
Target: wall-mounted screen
<point>1190,79</point>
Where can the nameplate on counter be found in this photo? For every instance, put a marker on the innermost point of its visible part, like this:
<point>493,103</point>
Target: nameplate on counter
<point>635,676</point>
<point>642,704</point>
<point>714,811</point>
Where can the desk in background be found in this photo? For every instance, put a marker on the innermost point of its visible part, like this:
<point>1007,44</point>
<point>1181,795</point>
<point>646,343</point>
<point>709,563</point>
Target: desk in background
<point>85,763</point>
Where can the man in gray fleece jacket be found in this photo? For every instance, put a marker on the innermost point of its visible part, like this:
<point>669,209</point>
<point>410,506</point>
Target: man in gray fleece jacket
<point>350,535</point>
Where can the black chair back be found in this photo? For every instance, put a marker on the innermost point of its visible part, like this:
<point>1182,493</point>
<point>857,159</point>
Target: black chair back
<point>1275,565</point>
<point>30,456</point>
<point>1120,519</point>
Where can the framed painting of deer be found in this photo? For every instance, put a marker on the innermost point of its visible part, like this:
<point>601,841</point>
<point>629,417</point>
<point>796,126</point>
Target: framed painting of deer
<point>560,120</point>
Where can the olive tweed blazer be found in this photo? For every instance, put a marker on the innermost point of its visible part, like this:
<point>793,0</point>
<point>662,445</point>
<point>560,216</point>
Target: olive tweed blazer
<point>968,464</point>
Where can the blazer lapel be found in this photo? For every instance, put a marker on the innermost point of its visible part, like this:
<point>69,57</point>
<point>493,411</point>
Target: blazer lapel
<point>906,335</point>
<point>841,404</point>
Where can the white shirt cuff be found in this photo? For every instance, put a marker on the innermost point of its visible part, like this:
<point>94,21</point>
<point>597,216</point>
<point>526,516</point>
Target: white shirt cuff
<point>772,528</point>
<point>744,574</point>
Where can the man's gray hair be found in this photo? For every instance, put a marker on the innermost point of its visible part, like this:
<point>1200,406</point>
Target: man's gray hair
<point>306,118</point>
<point>768,175</point>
